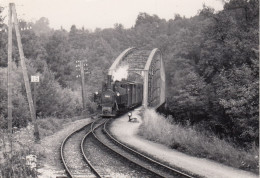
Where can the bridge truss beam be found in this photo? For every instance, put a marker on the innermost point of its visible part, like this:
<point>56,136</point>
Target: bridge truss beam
<point>150,67</point>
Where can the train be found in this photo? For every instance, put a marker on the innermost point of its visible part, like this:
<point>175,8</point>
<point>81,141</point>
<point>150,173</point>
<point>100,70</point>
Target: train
<point>118,97</point>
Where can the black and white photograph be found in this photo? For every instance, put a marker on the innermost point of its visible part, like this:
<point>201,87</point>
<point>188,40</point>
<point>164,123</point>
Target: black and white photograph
<point>129,88</point>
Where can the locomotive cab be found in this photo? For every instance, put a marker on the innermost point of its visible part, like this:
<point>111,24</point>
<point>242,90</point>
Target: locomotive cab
<point>108,103</point>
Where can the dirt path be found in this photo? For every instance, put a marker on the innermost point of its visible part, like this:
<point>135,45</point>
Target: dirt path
<point>127,132</point>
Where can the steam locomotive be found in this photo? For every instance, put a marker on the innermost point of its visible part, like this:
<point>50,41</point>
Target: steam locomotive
<point>118,97</point>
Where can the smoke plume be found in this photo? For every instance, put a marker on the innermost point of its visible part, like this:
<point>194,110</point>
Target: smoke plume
<point>121,73</point>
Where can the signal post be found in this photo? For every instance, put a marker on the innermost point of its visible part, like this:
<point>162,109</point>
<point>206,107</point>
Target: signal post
<point>82,67</point>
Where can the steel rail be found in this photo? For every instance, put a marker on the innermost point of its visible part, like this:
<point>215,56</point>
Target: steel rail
<point>155,173</point>
<point>95,171</point>
<point>142,155</point>
<point>67,170</point>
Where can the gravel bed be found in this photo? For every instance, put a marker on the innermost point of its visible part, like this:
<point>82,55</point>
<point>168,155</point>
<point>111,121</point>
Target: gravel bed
<point>49,146</point>
<point>133,157</point>
<point>73,156</point>
<point>109,163</point>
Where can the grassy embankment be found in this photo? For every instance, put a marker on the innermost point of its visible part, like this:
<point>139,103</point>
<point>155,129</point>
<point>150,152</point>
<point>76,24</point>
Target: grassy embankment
<point>186,139</point>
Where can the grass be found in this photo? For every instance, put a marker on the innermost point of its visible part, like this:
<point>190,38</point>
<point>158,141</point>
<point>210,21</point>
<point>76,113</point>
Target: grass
<point>50,125</point>
<point>186,139</point>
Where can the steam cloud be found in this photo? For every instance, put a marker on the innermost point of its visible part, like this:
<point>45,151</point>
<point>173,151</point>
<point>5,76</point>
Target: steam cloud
<point>121,73</point>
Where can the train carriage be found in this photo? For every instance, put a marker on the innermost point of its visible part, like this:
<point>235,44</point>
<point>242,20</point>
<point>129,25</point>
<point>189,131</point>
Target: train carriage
<point>118,97</point>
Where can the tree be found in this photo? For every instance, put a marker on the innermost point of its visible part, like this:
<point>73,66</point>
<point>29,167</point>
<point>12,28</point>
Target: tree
<point>144,18</point>
<point>188,93</point>
<point>20,105</point>
<point>238,95</point>
<point>41,26</point>
<point>57,55</point>
<point>3,41</point>
<point>78,39</point>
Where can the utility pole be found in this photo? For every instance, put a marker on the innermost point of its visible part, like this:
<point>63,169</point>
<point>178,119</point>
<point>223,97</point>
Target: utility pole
<point>25,75</point>
<point>35,79</point>
<point>9,81</point>
<point>83,84</point>
<point>34,97</point>
<point>81,66</point>
<point>9,72</point>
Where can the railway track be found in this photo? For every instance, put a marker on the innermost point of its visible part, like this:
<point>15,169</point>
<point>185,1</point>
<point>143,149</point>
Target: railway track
<point>142,160</point>
<point>71,157</point>
<point>86,141</point>
<point>92,151</point>
<point>107,163</point>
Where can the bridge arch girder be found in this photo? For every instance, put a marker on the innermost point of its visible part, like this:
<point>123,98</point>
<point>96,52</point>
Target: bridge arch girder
<point>150,67</point>
<point>154,80</point>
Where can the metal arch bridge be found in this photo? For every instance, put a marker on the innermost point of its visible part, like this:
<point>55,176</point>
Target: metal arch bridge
<point>144,66</point>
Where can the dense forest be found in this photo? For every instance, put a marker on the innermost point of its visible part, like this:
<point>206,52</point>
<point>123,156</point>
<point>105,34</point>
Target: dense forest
<point>211,60</point>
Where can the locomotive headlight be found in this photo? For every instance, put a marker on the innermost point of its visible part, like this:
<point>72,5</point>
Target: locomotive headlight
<point>96,92</point>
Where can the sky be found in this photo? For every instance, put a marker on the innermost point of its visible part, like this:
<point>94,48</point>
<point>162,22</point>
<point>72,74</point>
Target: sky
<point>92,14</point>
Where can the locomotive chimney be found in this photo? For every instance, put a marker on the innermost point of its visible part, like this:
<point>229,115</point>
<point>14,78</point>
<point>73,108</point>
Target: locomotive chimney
<point>109,81</point>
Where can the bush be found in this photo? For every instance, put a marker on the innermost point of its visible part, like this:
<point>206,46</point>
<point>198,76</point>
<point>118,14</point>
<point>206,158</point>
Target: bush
<point>18,168</point>
<point>187,139</point>
<point>20,109</point>
<point>50,125</point>
<point>53,100</point>
<point>15,165</point>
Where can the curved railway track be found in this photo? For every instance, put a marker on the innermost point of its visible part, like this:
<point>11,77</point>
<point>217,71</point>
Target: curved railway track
<point>148,163</point>
<point>72,160</point>
<point>107,163</point>
<point>96,171</point>
<point>91,150</point>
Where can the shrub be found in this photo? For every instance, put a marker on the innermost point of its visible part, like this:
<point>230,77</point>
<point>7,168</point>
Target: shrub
<point>20,109</point>
<point>187,139</point>
<point>50,125</point>
<point>14,165</point>
<point>18,168</point>
<point>53,100</point>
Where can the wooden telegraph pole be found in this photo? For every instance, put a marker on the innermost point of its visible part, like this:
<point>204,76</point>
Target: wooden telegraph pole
<point>9,72</point>
<point>9,83</point>
<point>25,75</point>
<point>83,84</point>
<point>82,68</point>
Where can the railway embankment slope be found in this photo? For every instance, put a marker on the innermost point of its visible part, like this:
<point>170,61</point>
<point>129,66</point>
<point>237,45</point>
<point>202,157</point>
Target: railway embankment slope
<point>126,132</point>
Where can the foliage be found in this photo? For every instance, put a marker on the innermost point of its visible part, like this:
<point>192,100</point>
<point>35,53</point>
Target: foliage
<point>14,165</point>
<point>188,99</point>
<point>187,139</point>
<point>41,26</point>
<point>50,125</point>
<point>222,52</point>
<point>3,40</point>
<point>53,100</point>
<point>211,61</point>
<point>18,168</point>
<point>20,107</point>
